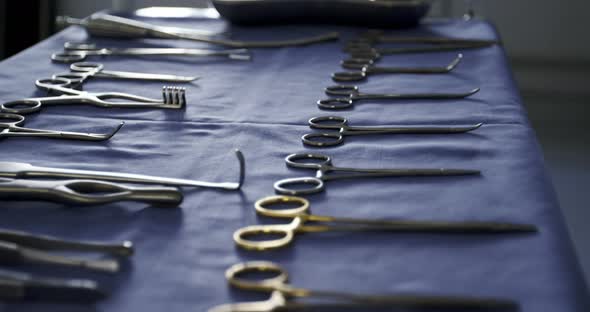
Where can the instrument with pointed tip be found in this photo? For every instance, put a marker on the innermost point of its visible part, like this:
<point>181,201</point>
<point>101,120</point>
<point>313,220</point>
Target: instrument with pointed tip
<point>323,166</point>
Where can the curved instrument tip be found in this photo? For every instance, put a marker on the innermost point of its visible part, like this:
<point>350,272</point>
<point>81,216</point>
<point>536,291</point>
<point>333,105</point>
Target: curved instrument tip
<point>472,92</point>
<point>477,126</point>
<point>455,62</point>
<point>110,135</point>
<point>242,162</point>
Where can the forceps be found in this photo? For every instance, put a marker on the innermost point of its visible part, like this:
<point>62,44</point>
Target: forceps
<point>87,192</point>
<point>323,139</point>
<point>17,286</point>
<point>27,171</point>
<point>301,215</point>
<point>323,166</point>
<point>17,247</point>
<point>173,98</point>
<point>280,293</point>
<point>10,126</point>
<point>77,51</point>
<point>352,94</point>
<point>81,71</point>
<point>365,68</point>
<point>115,26</point>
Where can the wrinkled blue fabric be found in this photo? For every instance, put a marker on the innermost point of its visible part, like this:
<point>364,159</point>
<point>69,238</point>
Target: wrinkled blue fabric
<point>262,107</point>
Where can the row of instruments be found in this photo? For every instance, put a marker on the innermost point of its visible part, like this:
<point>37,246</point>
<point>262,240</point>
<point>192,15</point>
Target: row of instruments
<point>74,187</point>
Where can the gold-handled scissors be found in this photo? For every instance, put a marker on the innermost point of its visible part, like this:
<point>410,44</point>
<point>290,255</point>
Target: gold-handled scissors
<point>301,215</point>
<point>280,293</point>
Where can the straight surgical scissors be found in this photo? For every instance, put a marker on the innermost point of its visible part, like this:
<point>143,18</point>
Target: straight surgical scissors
<point>10,126</point>
<point>76,51</point>
<point>323,166</point>
<point>300,215</point>
<point>173,98</point>
<point>280,293</point>
<point>351,94</point>
<point>365,68</point>
<point>323,139</point>
<point>81,71</point>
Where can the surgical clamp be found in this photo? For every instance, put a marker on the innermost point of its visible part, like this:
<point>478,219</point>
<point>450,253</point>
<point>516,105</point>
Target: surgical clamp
<point>341,129</point>
<point>115,26</point>
<point>82,71</point>
<point>323,166</point>
<point>351,94</point>
<point>75,52</point>
<point>28,171</point>
<point>87,192</point>
<point>13,128</point>
<point>17,286</point>
<point>173,98</point>
<point>364,69</point>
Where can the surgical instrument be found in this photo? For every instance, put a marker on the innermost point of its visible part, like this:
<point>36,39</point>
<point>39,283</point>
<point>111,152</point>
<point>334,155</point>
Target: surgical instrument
<point>15,254</point>
<point>18,286</point>
<point>300,215</point>
<point>351,94</point>
<point>11,126</point>
<point>280,293</point>
<point>115,26</point>
<point>364,69</point>
<point>323,166</point>
<point>87,192</point>
<point>81,71</point>
<point>173,98</point>
<point>46,242</point>
<point>76,51</point>
<point>28,171</point>
<point>340,124</point>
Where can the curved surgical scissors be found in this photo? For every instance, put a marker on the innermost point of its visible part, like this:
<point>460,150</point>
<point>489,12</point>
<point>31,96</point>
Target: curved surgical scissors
<point>323,139</point>
<point>323,166</point>
<point>300,215</point>
<point>365,68</point>
<point>352,94</point>
<point>81,71</point>
<point>76,51</point>
<point>280,293</point>
<point>173,98</point>
<point>10,126</point>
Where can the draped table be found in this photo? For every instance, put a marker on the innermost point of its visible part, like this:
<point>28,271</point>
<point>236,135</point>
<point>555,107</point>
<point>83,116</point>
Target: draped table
<point>262,107</point>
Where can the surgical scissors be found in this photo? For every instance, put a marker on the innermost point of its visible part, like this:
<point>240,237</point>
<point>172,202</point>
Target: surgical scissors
<point>87,192</point>
<point>115,26</point>
<point>280,293</point>
<point>76,51</point>
<point>300,215</point>
<point>323,166</point>
<point>365,68</point>
<point>173,98</point>
<point>81,71</point>
<point>324,139</point>
<point>10,126</point>
<point>352,94</point>
<point>25,171</point>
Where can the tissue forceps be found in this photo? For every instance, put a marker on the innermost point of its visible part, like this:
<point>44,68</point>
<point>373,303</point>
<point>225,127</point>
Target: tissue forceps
<point>300,215</point>
<point>11,126</point>
<point>115,26</point>
<point>173,98</point>
<point>280,293</point>
<point>325,171</point>
<point>87,192</point>
<point>28,171</point>
<point>352,94</point>
<point>324,139</point>
<point>76,51</point>
<point>365,68</point>
<point>81,71</point>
